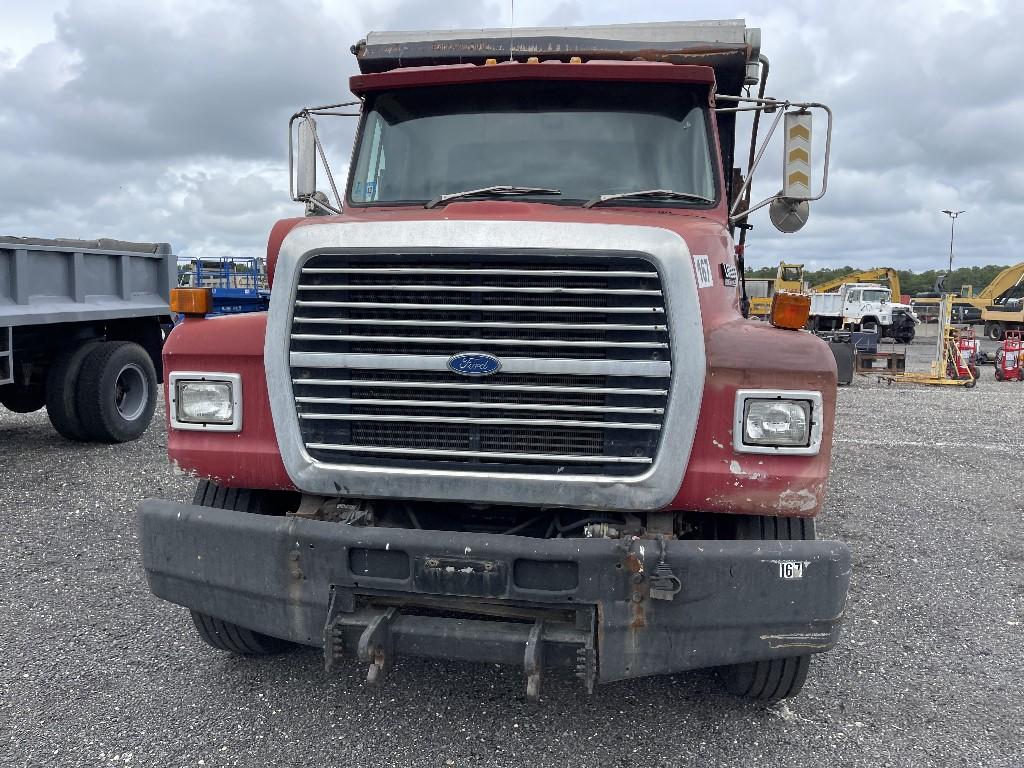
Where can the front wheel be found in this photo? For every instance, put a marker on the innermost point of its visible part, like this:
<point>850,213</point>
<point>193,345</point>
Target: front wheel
<point>225,635</point>
<point>774,679</point>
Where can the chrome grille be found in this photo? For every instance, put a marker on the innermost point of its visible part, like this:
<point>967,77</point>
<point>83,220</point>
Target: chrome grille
<point>578,334</point>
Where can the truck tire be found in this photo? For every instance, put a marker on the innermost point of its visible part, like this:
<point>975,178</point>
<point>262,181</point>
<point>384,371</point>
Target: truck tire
<point>225,636</point>
<point>994,331</point>
<point>61,391</point>
<point>117,391</point>
<point>906,334</point>
<point>21,398</point>
<point>217,633</point>
<point>774,679</point>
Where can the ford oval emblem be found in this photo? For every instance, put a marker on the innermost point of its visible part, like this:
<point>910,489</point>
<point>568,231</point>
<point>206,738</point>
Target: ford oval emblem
<point>474,364</point>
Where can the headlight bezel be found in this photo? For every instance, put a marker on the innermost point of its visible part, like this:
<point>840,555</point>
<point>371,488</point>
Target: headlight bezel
<point>234,382</point>
<point>803,397</point>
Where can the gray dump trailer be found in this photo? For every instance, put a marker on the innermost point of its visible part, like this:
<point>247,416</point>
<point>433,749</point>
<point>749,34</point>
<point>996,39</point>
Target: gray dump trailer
<point>81,327</point>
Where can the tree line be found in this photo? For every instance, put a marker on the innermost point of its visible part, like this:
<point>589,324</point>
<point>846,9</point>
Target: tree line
<point>911,283</point>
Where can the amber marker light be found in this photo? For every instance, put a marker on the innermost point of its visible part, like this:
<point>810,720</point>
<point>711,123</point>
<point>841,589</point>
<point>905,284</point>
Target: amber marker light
<point>790,310</point>
<point>191,301</point>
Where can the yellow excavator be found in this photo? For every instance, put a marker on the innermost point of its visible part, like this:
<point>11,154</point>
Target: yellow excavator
<point>1005,312</point>
<point>866,276</point>
<point>971,306</point>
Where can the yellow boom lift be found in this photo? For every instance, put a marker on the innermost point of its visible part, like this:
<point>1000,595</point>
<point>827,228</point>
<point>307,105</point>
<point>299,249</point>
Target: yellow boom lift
<point>950,366</point>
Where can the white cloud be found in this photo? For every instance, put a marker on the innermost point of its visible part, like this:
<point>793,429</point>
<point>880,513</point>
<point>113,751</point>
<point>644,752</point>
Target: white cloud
<point>166,120</point>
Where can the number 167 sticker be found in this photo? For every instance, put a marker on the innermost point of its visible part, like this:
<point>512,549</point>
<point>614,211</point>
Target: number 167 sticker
<point>702,269</point>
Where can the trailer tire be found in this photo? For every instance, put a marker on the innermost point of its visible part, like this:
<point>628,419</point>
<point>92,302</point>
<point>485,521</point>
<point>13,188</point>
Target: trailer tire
<point>117,391</point>
<point>61,391</point>
<point>774,679</point>
<point>22,398</point>
<point>217,633</point>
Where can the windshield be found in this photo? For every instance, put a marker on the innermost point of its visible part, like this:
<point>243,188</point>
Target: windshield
<point>583,139</point>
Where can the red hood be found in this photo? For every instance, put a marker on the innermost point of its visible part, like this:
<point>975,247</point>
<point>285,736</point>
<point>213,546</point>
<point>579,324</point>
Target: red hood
<point>703,231</point>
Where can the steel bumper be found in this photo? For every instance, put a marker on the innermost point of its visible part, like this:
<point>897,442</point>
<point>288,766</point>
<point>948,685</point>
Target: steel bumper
<point>611,609</point>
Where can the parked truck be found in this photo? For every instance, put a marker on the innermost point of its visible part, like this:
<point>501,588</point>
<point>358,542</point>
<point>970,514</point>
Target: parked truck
<point>504,406</point>
<point>892,318</point>
<point>854,305</point>
<point>81,330</point>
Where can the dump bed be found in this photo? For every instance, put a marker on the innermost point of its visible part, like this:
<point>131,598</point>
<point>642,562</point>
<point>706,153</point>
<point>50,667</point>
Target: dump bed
<point>64,281</point>
<point>825,304</point>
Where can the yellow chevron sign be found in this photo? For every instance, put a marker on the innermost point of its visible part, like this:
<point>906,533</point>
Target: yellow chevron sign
<point>796,172</point>
<point>799,177</point>
<point>800,131</point>
<point>799,153</point>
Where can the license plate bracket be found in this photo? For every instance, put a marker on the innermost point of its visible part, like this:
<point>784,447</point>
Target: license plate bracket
<point>452,575</point>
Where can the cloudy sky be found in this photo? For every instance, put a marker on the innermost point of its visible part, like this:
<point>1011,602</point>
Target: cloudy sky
<point>166,120</point>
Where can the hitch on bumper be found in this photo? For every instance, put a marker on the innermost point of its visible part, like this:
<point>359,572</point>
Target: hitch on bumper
<point>610,609</point>
<point>377,636</point>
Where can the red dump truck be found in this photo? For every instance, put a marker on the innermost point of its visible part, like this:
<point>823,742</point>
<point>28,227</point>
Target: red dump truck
<point>505,405</point>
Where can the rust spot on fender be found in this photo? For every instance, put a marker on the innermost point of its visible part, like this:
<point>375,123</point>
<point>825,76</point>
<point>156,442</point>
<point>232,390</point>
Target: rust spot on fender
<point>633,563</point>
<point>639,616</point>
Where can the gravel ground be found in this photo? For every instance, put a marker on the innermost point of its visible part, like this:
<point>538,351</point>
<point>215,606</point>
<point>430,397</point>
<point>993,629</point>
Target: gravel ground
<point>926,489</point>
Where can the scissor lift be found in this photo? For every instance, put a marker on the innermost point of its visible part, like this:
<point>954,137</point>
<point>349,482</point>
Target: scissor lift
<point>237,284</point>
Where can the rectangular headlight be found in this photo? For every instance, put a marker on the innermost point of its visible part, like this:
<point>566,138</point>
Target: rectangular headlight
<point>777,421</point>
<point>206,401</point>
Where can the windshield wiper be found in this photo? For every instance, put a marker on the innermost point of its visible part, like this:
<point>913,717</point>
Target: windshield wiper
<point>665,193</point>
<point>500,189</point>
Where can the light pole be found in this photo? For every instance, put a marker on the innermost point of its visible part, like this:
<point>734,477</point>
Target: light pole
<point>952,222</point>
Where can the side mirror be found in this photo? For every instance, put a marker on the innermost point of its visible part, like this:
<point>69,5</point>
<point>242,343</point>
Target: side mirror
<point>789,211</point>
<point>796,180</point>
<point>305,171</point>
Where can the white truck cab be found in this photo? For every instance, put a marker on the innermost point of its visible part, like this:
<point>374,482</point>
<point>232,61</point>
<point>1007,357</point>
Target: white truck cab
<point>854,304</point>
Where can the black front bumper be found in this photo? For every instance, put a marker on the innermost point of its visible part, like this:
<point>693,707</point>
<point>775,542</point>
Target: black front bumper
<point>583,603</point>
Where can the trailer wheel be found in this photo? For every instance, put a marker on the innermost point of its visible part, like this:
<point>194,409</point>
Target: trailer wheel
<point>61,391</point>
<point>217,633</point>
<point>117,391</point>
<point>774,679</point>
<point>21,398</point>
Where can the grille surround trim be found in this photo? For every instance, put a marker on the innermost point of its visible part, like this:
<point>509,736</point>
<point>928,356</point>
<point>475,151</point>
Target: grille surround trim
<point>655,488</point>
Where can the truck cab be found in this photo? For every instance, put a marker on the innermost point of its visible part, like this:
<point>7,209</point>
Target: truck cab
<point>505,405</point>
